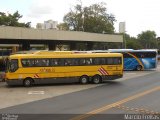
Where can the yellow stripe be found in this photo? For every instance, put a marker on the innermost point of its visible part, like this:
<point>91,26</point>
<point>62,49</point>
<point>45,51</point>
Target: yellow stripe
<point>137,60</point>
<point>91,113</point>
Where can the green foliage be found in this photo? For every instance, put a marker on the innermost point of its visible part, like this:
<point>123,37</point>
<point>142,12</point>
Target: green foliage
<point>158,44</point>
<point>12,20</point>
<point>90,19</point>
<point>148,39</point>
<point>132,42</point>
<point>63,26</point>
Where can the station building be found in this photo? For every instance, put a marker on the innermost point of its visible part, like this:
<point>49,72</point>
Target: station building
<point>18,38</point>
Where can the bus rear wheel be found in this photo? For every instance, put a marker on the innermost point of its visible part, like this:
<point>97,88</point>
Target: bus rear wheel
<point>139,68</point>
<point>84,79</point>
<point>96,79</point>
<point>28,82</point>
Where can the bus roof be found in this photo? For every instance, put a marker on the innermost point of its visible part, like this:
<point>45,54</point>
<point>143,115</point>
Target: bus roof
<point>132,50</point>
<point>48,52</point>
<point>85,55</point>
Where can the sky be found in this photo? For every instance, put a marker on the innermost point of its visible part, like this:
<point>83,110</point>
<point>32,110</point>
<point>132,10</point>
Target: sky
<point>138,15</point>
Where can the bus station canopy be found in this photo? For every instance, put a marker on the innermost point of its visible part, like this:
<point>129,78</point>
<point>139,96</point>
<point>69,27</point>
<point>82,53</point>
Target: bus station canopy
<point>19,33</point>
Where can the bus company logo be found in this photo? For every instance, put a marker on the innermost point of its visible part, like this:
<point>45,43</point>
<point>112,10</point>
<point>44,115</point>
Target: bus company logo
<point>36,76</point>
<point>47,70</point>
<point>103,71</point>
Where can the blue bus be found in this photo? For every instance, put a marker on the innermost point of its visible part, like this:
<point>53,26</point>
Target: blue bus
<point>143,59</point>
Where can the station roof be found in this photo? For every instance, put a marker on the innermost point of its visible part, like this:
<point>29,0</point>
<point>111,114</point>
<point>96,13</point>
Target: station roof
<point>20,33</point>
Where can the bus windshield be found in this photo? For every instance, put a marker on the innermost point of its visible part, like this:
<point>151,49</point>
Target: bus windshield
<point>13,65</point>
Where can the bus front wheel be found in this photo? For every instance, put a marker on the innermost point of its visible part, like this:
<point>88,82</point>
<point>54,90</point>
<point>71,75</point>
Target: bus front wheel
<point>139,68</point>
<point>96,79</point>
<point>28,82</point>
<point>83,79</point>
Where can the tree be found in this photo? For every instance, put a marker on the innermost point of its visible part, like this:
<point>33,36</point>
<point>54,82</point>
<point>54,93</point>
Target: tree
<point>90,19</point>
<point>148,39</point>
<point>12,20</point>
<point>63,26</point>
<point>132,42</point>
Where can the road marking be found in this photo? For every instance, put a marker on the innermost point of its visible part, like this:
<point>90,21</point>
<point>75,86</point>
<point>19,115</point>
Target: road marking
<point>35,92</point>
<point>129,73</point>
<point>107,107</point>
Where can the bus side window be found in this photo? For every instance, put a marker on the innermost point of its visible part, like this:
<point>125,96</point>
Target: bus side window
<point>96,61</point>
<point>142,56</point>
<point>54,62</point>
<point>61,62</point>
<point>119,60</point>
<point>116,60</point>
<point>109,61</point>
<point>88,61</point>
<point>103,61</point>
<point>72,62</point>
<point>82,61</point>
<point>26,62</point>
<point>37,63</point>
<point>45,62</point>
<point>31,62</point>
<point>67,62</point>
<point>75,61</point>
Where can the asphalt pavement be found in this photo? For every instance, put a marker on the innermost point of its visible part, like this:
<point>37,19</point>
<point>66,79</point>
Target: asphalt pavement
<point>136,93</point>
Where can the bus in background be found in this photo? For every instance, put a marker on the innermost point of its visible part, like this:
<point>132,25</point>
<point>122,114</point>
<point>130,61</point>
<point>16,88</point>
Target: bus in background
<point>29,69</point>
<point>142,59</point>
<point>3,55</point>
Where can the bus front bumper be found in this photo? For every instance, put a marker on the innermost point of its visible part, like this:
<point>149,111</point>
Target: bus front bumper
<point>14,82</point>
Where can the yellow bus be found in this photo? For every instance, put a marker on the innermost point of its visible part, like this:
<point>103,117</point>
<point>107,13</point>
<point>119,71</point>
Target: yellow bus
<point>46,52</point>
<point>30,69</point>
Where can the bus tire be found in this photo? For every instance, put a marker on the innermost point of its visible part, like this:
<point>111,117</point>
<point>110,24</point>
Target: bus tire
<point>84,79</point>
<point>96,79</point>
<point>28,82</point>
<point>139,68</point>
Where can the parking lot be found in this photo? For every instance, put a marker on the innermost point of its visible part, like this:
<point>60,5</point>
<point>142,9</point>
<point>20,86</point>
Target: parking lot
<point>11,96</point>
